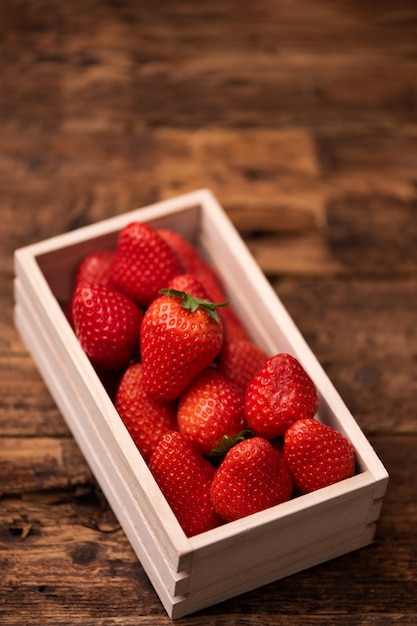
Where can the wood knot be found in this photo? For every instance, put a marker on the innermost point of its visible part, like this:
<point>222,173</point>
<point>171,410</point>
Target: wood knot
<point>84,553</point>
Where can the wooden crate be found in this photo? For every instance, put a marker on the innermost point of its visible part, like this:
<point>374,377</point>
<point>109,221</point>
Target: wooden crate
<point>192,573</point>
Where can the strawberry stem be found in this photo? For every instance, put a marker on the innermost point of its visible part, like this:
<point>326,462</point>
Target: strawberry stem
<point>229,441</point>
<point>191,303</point>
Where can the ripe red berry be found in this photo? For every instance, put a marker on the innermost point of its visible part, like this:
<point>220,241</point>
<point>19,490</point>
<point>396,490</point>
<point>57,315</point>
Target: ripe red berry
<point>210,409</point>
<point>188,253</point>
<point>317,455</point>
<point>240,360</point>
<point>146,418</point>
<point>189,284</point>
<point>143,264</point>
<point>95,268</point>
<point>107,325</point>
<point>252,477</point>
<point>185,477</point>
<point>196,265</point>
<point>278,395</point>
<point>180,337</point>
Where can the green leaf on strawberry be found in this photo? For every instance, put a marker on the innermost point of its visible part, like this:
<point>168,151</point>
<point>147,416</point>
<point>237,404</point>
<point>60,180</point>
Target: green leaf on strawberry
<point>192,303</point>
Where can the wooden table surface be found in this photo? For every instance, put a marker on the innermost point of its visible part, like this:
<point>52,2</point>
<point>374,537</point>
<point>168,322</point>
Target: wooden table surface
<point>302,119</point>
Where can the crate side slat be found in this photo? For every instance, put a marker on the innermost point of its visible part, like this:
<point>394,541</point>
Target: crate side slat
<point>313,526</point>
<point>355,496</point>
<point>255,576</point>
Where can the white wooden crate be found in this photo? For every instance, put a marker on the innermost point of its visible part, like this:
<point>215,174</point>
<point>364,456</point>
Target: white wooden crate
<point>192,573</point>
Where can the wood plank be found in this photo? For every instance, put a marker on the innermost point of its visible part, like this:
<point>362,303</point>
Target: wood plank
<point>335,71</point>
<point>41,464</point>
<point>27,407</point>
<point>333,228</point>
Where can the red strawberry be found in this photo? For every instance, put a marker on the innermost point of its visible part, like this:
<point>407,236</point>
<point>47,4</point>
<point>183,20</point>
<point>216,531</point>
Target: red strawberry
<point>185,477</point>
<point>233,327</point>
<point>212,284</point>
<point>195,264</point>
<point>180,337</point>
<point>190,284</point>
<point>240,360</point>
<point>252,477</point>
<point>95,268</point>
<point>317,455</point>
<point>210,409</point>
<point>278,395</point>
<point>144,263</point>
<point>146,418</point>
<point>187,252</point>
<point>107,325</point>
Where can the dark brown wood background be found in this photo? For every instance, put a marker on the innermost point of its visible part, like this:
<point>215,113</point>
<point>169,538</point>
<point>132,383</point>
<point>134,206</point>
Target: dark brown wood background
<point>302,119</point>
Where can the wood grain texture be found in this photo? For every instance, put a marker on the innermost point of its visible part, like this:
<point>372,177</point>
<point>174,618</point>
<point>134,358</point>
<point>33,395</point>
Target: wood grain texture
<point>304,125</point>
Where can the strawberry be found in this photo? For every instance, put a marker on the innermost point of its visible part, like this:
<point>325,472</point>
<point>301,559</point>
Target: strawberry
<point>180,336</point>
<point>146,418</point>
<point>190,284</point>
<point>188,253</point>
<point>210,409</point>
<point>107,325</point>
<point>185,477</point>
<point>278,395</point>
<point>240,360</point>
<point>233,327</point>
<point>143,264</point>
<point>195,264</point>
<point>317,455</point>
<point>252,477</point>
<point>95,268</point>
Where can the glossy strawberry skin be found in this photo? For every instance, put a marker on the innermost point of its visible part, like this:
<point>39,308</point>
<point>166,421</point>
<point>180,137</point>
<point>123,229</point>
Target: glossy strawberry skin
<point>185,478</point>
<point>95,268</point>
<point>278,395</point>
<point>251,478</point>
<point>107,325</point>
<point>188,253</point>
<point>317,455</point>
<point>196,265</point>
<point>144,263</point>
<point>146,418</point>
<point>176,345</point>
<point>240,361</point>
<point>209,409</point>
<point>190,284</point>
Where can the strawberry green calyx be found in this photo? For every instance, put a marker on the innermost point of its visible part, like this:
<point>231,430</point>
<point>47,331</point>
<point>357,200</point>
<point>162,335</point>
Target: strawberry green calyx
<point>229,441</point>
<point>191,303</point>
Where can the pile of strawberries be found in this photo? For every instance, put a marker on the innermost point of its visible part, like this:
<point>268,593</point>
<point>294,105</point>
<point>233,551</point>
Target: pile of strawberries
<point>226,430</point>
